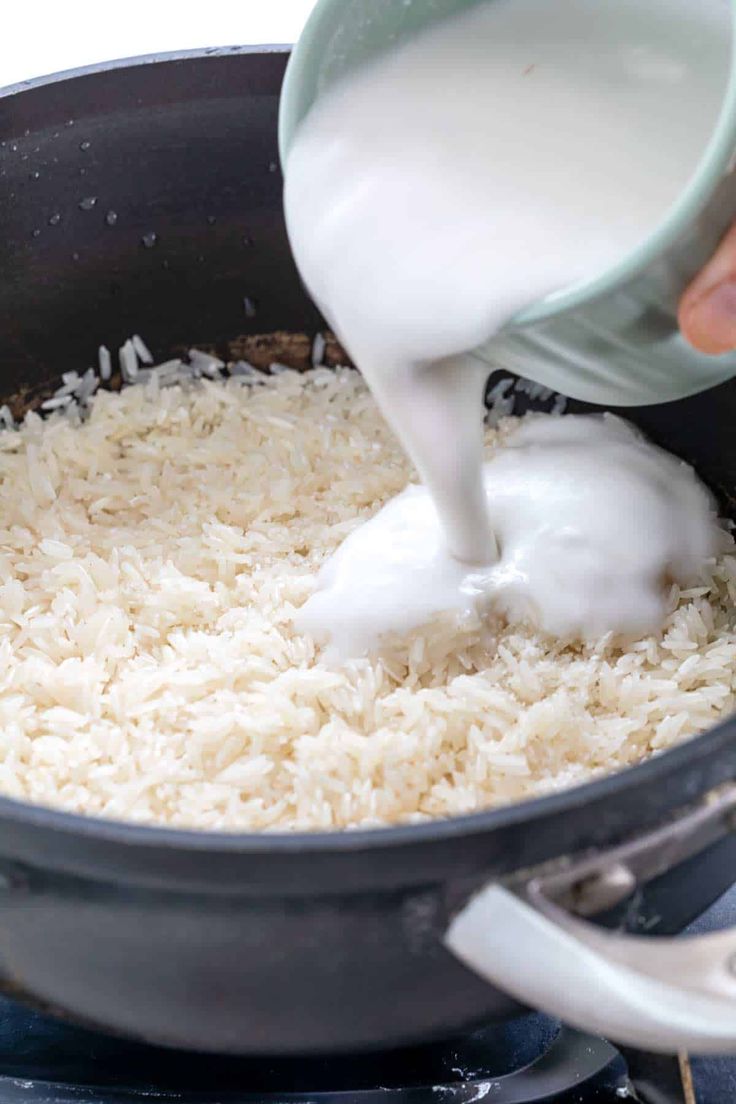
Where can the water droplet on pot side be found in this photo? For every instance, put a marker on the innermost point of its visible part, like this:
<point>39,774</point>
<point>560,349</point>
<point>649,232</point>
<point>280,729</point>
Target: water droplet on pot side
<point>149,239</point>
<point>87,203</point>
<point>55,219</point>
<point>272,167</point>
<point>111,218</point>
<point>75,256</point>
<point>84,146</point>
<point>247,240</point>
<point>34,175</point>
<point>211,219</point>
<point>37,233</point>
<point>249,306</point>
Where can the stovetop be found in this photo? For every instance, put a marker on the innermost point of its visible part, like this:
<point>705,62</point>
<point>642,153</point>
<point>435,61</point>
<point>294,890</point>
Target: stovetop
<point>531,1060</point>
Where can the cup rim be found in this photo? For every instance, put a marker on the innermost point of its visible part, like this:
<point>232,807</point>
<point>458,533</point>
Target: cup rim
<point>717,160</point>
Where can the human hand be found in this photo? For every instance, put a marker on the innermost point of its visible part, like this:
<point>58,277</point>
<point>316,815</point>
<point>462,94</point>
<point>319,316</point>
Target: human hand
<point>707,312</point>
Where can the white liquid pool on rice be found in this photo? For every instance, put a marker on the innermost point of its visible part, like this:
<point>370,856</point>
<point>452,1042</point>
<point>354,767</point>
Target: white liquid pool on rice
<point>151,560</point>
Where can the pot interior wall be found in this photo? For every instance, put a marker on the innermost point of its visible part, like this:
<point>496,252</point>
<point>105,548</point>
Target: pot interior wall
<point>143,199</point>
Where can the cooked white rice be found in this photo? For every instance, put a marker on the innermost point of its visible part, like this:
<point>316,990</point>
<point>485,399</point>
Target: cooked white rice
<point>151,558</point>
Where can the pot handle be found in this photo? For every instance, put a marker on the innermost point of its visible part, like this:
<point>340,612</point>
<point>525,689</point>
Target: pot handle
<point>652,992</point>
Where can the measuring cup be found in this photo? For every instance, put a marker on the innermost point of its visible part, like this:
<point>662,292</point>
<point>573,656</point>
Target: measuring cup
<point>613,340</point>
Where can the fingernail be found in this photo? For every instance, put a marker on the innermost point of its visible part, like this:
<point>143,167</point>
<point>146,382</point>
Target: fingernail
<point>710,323</point>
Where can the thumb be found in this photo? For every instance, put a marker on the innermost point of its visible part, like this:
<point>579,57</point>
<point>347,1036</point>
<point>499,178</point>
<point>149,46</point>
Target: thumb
<point>707,312</point>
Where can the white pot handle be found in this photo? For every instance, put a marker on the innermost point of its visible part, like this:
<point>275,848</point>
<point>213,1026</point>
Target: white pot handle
<point>651,992</point>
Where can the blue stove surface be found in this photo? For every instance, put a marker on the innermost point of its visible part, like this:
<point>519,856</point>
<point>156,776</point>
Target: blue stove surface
<point>715,1078</point>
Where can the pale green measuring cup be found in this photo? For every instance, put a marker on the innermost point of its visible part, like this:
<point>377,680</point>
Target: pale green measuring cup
<point>613,340</point>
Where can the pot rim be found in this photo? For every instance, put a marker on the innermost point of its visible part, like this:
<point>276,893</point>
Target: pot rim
<point>139,60</point>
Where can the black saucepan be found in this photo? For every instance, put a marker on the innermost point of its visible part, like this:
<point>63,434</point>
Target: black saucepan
<point>146,197</point>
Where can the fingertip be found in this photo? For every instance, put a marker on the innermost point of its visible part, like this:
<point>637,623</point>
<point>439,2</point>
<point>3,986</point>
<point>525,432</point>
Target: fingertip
<point>708,322</point>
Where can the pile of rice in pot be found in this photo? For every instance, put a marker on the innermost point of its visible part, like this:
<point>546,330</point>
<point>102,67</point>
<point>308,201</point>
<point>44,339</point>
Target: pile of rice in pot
<point>154,545</point>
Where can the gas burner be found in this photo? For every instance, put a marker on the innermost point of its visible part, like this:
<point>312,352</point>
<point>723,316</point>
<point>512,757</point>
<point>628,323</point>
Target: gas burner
<point>529,1061</point>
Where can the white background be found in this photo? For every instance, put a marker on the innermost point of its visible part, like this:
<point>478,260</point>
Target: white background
<point>47,36</point>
